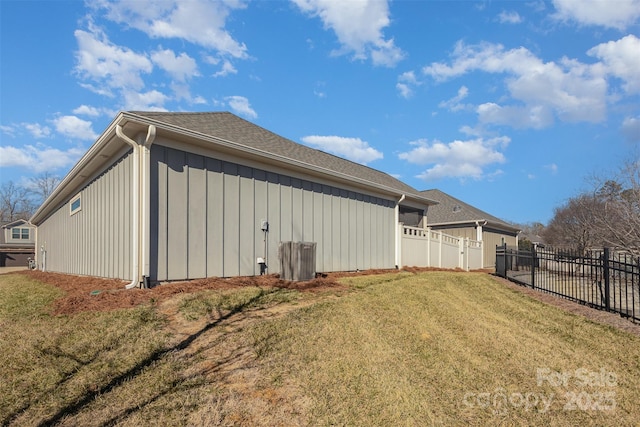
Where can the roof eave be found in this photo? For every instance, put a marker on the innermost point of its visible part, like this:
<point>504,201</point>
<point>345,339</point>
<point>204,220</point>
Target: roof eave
<point>279,159</point>
<point>64,189</point>
<point>474,222</point>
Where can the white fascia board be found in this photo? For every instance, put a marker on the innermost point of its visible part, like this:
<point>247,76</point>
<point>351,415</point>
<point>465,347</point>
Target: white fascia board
<point>64,189</point>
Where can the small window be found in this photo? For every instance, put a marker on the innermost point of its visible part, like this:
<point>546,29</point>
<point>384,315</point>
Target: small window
<point>18,233</point>
<point>75,205</point>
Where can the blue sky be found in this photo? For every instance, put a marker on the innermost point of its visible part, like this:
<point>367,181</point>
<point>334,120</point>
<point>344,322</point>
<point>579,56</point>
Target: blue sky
<point>509,106</point>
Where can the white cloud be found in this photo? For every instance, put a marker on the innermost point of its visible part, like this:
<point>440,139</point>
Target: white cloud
<point>39,158</point>
<point>201,22</point>
<point>74,127</point>
<point>241,105</point>
<point>152,100</point>
<point>406,82</point>
<point>618,14</point>
<point>353,149</point>
<point>454,104</point>
<point>536,116</point>
<point>457,159</point>
<point>8,130</point>
<point>509,17</point>
<point>631,129</point>
<point>358,26</point>
<point>181,91</point>
<point>404,90</point>
<point>37,130</point>
<point>621,59</point>
<point>98,90</point>
<point>471,131</point>
<point>180,67</point>
<point>86,110</point>
<point>319,89</point>
<point>106,64</point>
<point>227,68</point>
<point>573,91</point>
<point>552,167</point>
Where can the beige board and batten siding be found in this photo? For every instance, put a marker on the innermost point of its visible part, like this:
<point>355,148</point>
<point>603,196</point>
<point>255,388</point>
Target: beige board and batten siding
<point>96,240</point>
<point>209,215</point>
<point>492,238</point>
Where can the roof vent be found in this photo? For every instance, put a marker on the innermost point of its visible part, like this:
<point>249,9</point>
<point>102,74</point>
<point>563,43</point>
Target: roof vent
<point>457,208</point>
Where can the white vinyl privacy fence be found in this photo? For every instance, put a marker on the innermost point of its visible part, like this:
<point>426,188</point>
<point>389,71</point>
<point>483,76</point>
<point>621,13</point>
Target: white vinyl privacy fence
<point>421,247</point>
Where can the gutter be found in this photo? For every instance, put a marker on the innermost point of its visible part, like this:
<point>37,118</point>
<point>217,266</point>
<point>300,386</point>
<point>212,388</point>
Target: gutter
<point>495,224</point>
<point>140,202</point>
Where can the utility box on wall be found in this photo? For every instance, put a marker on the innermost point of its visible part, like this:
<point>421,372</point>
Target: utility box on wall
<point>297,260</point>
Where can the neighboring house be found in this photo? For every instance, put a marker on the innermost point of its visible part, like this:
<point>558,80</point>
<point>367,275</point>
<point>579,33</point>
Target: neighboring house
<point>457,218</point>
<point>174,196</point>
<point>17,243</point>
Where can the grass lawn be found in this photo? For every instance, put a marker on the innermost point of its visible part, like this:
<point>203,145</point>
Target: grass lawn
<point>434,348</point>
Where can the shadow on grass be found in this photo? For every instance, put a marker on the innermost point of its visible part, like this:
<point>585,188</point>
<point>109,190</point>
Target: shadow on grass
<point>80,403</point>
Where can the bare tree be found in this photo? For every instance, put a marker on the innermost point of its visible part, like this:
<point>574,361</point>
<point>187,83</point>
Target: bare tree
<point>619,219</point>
<point>14,202</point>
<point>43,185</point>
<point>573,224</point>
<point>607,215</point>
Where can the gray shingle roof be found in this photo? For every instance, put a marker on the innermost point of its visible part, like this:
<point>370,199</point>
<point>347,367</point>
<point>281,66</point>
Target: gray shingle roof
<point>232,128</point>
<point>451,210</point>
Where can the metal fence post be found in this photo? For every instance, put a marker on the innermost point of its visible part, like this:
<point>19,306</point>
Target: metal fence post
<point>605,273</point>
<point>533,266</point>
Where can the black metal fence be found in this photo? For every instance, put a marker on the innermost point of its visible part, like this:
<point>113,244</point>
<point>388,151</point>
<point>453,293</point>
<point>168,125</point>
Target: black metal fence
<point>603,279</point>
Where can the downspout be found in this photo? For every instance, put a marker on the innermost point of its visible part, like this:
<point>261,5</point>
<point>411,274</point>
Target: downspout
<point>145,215</point>
<point>479,230</point>
<point>135,215</point>
<point>397,227</point>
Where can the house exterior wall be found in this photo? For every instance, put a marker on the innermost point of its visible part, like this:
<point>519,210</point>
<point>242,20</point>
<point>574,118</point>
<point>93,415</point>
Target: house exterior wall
<point>96,240</point>
<point>9,238</point>
<point>493,238</point>
<point>207,211</point>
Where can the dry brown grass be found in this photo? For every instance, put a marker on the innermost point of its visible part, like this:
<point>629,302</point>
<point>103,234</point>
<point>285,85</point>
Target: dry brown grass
<point>420,348</point>
<point>447,348</point>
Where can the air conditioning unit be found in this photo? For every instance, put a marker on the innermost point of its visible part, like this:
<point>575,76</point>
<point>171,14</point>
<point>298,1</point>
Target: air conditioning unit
<point>297,260</point>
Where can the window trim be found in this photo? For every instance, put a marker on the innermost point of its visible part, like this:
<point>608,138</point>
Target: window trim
<point>18,233</point>
<point>77,199</point>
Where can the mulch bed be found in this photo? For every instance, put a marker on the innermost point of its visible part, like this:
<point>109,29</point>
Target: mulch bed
<point>84,293</point>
